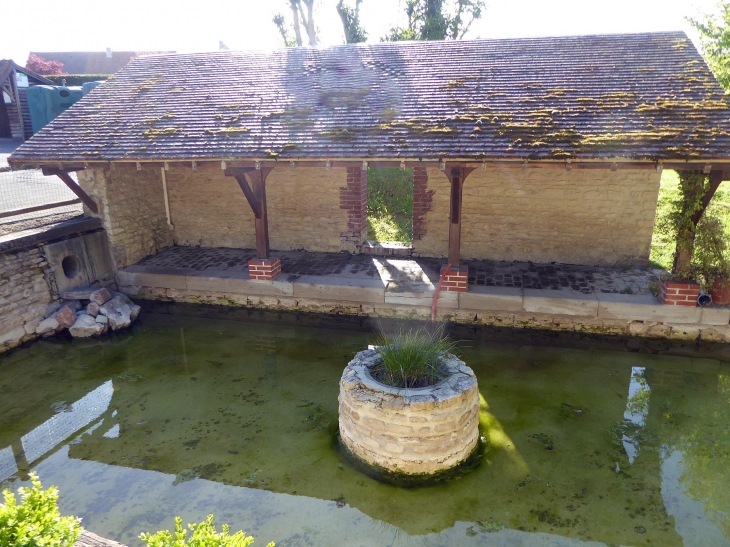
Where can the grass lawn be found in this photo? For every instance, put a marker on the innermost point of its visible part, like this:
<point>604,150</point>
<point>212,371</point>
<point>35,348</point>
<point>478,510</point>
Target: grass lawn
<point>390,205</point>
<point>662,247</point>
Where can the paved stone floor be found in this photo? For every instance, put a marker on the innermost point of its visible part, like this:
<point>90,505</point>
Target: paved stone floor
<point>565,277</point>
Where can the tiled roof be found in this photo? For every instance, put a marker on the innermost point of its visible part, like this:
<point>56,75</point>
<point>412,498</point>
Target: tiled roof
<point>638,96</point>
<point>92,62</point>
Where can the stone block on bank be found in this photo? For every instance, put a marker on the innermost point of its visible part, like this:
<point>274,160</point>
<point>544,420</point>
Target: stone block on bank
<point>101,296</point>
<point>715,316</point>
<point>120,311</point>
<point>65,316</point>
<point>560,303</point>
<point>491,299</point>
<point>92,309</point>
<point>103,319</point>
<point>86,326</point>
<point>644,308</point>
<point>48,327</point>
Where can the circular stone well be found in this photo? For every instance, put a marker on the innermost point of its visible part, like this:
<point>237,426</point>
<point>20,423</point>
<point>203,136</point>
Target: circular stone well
<point>410,431</point>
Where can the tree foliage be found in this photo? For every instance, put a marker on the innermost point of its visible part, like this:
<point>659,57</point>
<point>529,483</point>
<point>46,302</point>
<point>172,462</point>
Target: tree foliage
<point>354,32</point>
<point>437,20</point>
<point>40,65</point>
<point>715,42</point>
<point>302,17</point>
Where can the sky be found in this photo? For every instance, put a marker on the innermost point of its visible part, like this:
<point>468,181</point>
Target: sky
<point>185,26</point>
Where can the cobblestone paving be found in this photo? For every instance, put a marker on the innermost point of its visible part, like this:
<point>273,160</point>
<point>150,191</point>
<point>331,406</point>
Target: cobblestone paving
<point>565,277</point>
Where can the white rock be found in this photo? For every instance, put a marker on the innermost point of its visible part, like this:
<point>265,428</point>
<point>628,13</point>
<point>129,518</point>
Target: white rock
<point>48,326</point>
<point>86,326</point>
<point>103,319</point>
<point>120,310</point>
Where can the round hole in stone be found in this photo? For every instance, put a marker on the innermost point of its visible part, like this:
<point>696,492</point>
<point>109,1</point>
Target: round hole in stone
<point>71,266</point>
<point>64,93</point>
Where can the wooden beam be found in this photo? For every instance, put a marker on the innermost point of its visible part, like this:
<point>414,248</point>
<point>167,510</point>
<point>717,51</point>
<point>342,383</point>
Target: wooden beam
<point>18,212</point>
<point>256,197</point>
<point>716,178</point>
<point>75,188</point>
<point>252,201</point>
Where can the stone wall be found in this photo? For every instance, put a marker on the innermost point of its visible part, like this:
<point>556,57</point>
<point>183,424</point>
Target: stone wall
<point>308,208</point>
<point>24,296</point>
<point>411,431</point>
<point>132,209</point>
<point>545,215</point>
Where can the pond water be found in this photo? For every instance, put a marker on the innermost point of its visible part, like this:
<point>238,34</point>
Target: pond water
<point>188,416</point>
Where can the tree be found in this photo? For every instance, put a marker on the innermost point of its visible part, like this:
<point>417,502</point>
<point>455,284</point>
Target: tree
<point>695,193</point>
<point>437,20</point>
<point>40,66</point>
<point>354,33</point>
<point>715,42</point>
<point>301,18</point>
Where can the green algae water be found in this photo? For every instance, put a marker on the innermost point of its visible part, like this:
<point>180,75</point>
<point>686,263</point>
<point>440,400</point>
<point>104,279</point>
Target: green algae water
<point>190,416</point>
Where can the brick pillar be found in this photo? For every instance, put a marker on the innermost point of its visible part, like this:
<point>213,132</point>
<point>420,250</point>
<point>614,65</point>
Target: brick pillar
<point>354,199</point>
<point>679,294</point>
<point>264,269</point>
<point>457,280</point>
<point>422,201</point>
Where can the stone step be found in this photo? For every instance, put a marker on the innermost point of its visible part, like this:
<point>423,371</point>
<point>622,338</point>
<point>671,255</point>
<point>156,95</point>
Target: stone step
<point>78,294</point>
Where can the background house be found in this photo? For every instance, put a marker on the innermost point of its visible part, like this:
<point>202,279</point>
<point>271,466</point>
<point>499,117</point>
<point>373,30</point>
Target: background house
<point>93,62</point>
<point>14,113</point>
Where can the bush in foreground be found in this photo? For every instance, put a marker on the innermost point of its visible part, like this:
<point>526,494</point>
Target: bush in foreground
<point>204,535</point>
<point>36,521</point>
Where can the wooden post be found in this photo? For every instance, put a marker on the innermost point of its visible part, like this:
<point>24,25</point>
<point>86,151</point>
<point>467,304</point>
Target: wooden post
<point>455,217</point>
<point>258,184</point>
<point>457,174</point>
<point>256,197</point>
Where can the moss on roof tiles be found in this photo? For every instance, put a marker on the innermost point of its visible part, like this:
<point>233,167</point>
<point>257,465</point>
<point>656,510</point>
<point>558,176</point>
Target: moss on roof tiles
<point>635,96</point>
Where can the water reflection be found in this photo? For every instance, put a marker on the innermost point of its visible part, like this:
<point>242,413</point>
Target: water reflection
<point>238,419</point>
<point>637,409</point>
<point>8,467</point>
<point>68,421</point>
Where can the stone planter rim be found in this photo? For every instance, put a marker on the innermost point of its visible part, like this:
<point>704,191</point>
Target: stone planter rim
<point>453,366</point>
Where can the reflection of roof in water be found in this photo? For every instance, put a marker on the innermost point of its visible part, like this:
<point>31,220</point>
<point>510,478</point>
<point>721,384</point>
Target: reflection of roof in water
<point>67,422</point>
<point>7,463</point>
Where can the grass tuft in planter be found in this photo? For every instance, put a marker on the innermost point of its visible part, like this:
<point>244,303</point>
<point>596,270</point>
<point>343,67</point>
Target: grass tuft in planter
<point>410,359</point>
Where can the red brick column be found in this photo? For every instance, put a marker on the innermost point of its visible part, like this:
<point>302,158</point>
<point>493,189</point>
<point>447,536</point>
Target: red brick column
<point>354,199</point>
<point>457,280</point>
<point>422,201</point>
<point>264,269</point>
<point>679,294</point>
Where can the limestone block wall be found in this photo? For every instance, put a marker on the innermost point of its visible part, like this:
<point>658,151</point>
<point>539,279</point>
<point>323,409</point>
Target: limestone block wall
<point>411,431</point>
<point>132,209</point>
<point>545,215</point>
<point>304,209</point>
<point>24,295</point>
<point>209,209</point>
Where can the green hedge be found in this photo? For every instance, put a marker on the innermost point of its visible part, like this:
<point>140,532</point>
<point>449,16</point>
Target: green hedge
<point>76,79</point>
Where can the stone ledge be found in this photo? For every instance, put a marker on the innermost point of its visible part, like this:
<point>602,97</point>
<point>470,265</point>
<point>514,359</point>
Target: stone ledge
<point>562,303</point>
<point>644,308</point>
<point>491,299</point>
<point>339,288</point>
